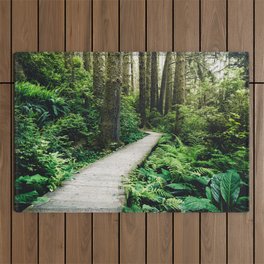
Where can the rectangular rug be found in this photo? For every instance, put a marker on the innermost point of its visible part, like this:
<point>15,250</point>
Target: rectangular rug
<point>131,132</point>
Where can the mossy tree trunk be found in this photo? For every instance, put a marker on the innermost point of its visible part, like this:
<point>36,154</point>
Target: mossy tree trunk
<point>125,73</point>
<point>179,90</point>
<point>154,79</point>
<point>164,82</point>
<point>142,88</point>
<point>110,125</point>
<point>98,74</point>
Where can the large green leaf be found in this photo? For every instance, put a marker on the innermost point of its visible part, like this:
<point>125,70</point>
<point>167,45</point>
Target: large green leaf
<point>230,187</point>
<point>215,187</point>
<point>194,204</point>
<point>179,187</point>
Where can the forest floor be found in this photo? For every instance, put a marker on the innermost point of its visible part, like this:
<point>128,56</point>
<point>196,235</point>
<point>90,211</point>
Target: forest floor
<point>98,187</point>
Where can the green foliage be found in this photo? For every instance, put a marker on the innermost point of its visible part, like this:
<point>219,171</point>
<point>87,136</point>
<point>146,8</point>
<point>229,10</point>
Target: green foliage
<point>57,122</point>
<point>130,121</point>
<point>195,204</point>
<point>177,177</point>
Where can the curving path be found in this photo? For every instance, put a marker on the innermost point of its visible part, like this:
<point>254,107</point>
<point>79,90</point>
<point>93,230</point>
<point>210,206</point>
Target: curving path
<point>98,187</point>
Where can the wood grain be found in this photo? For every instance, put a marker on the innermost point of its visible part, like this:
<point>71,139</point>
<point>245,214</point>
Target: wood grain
<point>78,238</point>
<point>186,238</point>
<point>259,170</point>
<point>159,25</point>
<point>132,228</point>
<point>159,38</point>
<point>186,38</point>
<point>51,25</point>
<point>240,28</point>
<point>159,238</point>
<point>78,38</point>
<point>186,25</point>
<point>105,25</point>
<point>213,25</point>
<point>5,173</point>
<point>105,38</point>
<point>24,38</point>
<point>51,238</point>
<point>240,225</point>
<point>259,41</point>
<point>105,238</point>
<point>5,43</point>
<point>132,38</point>
<point>213,38</point>
<point>78,25</point>
<point>51,38</point>
<point>132,25</point>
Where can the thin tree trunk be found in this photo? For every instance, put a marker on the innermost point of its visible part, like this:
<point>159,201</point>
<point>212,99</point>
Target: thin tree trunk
<point>154,80</point>
<point>169,86</point>
<point>148,80</point>
<point>98,74</point>
<point>132,72</point>
<point>125,73</point>
<point>88,61</point>
<point>179,88</point>
<point>111,106</point>
<point>142,88</point>
<point>164,81</point>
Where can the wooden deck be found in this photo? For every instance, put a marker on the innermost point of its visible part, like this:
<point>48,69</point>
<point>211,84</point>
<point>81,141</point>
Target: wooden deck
<point>112,25</point>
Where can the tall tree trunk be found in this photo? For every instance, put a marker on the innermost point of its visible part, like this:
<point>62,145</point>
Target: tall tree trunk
<point>169,87</point>
<point>148,79</point>
<point>179,88</point>
<point>110,126</point>
<point>164,82</point>
<point>132,72</point>
<point>68,57</point>
<point>154,80</point>
<point>88,61</point>
<point>98,74</point>
<point>125,73</point>
<point>142,88</point>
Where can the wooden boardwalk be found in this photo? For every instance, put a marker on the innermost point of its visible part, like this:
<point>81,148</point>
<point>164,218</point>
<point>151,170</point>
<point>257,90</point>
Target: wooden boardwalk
<point>98,187</point>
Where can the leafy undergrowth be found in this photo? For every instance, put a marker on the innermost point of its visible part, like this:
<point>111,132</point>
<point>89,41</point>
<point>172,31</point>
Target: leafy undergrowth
<point>177,177</point>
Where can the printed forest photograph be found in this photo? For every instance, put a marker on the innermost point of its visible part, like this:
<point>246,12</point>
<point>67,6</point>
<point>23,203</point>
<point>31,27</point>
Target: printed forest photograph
<point>131,132</point>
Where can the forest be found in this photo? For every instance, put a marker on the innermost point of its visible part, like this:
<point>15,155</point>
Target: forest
<point>74,108</point>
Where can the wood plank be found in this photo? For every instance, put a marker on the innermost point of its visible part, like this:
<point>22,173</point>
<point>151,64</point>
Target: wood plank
<point>159,38</point>
<point>186,238</point>
<point>132,25</point>
<point>132,38</point>
<point>78,37</point>
<point>51,238</point>
<point>186,38</point>
<point>106,225</point>
<point>240,28</point>
<point>5,173</point>
<point>240,225</point>
<point>51,38</point>
<point>259,172</point>
<point>259,40</point>
<point>24,38</point>
<point>213,23</point>
<point>159,25</point>
<point>105,25</point>
<point>159,238</point>
<point>186,25</point>
<point>213,38</point>
<point>5,43</point>
<point>132,240</point>
<point>78,25</point>
<point>78,239</point>
<point>51,25</point>
<point>105,238</point>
